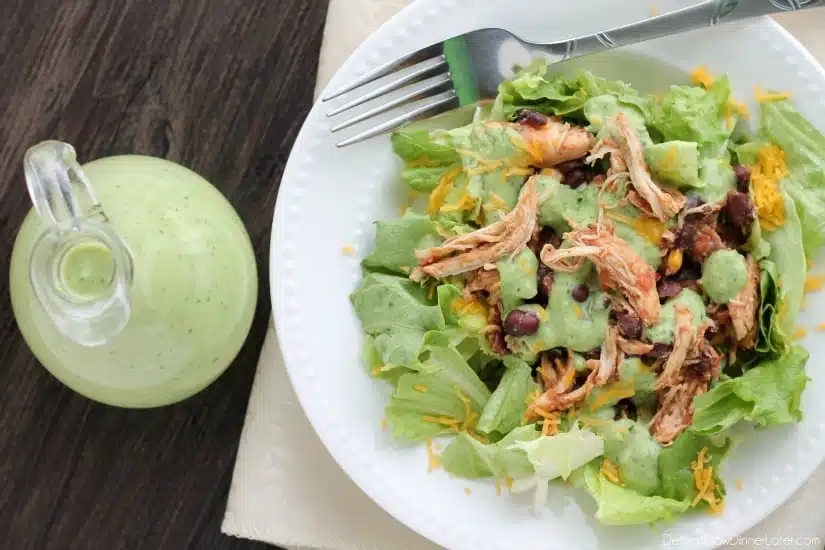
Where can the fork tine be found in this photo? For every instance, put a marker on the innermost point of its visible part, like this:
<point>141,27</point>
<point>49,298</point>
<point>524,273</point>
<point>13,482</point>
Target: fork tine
<point>381,70</point>
<point>418,70</point>
<point>430,104</point>
<point>416,89</point>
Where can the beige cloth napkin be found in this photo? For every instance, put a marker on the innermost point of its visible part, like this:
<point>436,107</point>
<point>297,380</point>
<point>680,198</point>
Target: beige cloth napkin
<point>287,490</point>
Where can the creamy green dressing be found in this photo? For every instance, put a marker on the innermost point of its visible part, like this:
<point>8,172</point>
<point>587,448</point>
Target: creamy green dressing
<point>87,270</point>
<point>716,175</point>
<point>674,162</point>
<point>724,275</point>
<point>560,205</point>
<point>580,326</point>
<point>663,331</point>
<point>600,109</point>
<point>518,278</point>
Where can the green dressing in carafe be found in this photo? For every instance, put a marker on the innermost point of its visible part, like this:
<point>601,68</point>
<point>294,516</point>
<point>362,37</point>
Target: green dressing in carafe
<point>132,280</point>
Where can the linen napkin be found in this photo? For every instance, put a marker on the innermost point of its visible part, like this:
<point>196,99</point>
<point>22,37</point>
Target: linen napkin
<point>288,491</point>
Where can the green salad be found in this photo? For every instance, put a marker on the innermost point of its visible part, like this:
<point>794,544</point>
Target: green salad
<point>592,286</point>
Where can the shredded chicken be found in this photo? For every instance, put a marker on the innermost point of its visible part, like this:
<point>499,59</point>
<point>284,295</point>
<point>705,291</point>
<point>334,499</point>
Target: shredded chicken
<point>676,410</point>
<point>463,253</point>
<point>706,242</point>
<point>610,357</point>
<point>634,347</point>
<point>620,267</point>
<point>484,280</point>
<point>683,341</point>
<point>663,205</point>
<point>743,308</point>
<point>556,142</point>
<point>552,400</point>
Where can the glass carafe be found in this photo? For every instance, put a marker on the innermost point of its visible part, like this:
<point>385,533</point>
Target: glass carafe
<point>132,279</point>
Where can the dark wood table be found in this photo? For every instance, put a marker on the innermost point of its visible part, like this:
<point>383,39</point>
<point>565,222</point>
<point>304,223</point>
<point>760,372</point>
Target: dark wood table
<point>221,86</point>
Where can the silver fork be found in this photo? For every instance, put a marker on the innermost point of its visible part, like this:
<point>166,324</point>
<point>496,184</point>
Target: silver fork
<point>466,68</point>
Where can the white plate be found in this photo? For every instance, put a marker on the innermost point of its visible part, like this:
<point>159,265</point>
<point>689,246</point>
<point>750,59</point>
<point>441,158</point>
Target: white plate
<point>330,197</point>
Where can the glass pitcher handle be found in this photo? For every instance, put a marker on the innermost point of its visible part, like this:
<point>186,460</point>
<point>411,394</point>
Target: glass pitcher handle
<point>75,221</point>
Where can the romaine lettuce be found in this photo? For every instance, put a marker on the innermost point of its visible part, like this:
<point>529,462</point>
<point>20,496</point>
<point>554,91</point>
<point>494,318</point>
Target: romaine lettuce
<point>768,394</point>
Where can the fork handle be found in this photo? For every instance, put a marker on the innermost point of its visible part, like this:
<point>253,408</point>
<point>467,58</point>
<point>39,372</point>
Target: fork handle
<point>704,14</point>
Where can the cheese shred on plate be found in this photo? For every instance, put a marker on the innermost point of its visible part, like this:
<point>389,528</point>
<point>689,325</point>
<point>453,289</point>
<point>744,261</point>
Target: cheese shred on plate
<point>706,488</point>
<point>769,170</point>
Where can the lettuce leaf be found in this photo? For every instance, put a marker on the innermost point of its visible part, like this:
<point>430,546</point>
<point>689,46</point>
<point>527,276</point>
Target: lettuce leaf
<point>506,407</point>
<point>423,148</point>
<point>768,394</point>
<point>397,313</point>
<point>804,146</point>
<point>396,241</point>
<point>445,387</point>
<point>675,465</point>
<point>772,339</point>
<point>555,456</point>
<point>789,256</point>
<point>532,88</point>
<point>624,506</point>
<point>691,113</point>
<point>467,457</point>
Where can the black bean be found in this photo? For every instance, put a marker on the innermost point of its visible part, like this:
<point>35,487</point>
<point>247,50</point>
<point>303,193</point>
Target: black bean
<point>545,278</point>
<point>693,201</point>
<point>626,408</point>
<point>659,351</point>
<point>668,288</point>
<point>740,210</point>
<point>550,236</point>
<point>685,234</point>
<point>531,118</point>
<point>580,293</point>
<point>570,165</point>
<point>629,324</point>
<point>576,177</point>
<point>743,178</point>
<point>521,323</point>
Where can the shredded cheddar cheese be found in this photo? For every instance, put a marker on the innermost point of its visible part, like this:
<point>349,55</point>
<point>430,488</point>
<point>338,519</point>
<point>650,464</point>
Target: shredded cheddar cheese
<point>614,392</point>
<point>701,77</point>
<point>799,333</point>
<point>739,108</point>
<point>384,424</point>
<point>439,194</point>
<point>820,326</point>
<point>578,311</point>
<point>466,202</point>
<point>432,459</point>
<point>814,282</point>
<point>376,370</point>
<point>769,170</point>
<point>763,97</point>
<point>452,423</point>
<point>420,388</point>
<point>706,487</point>
<point>472,306</point>
<point>497,202</point>
<point>348,250</point>
<point>651,229</point>
<point>739,485</point>
<point>610,472</point>
<point>498,487</point>
<point>508,481</point>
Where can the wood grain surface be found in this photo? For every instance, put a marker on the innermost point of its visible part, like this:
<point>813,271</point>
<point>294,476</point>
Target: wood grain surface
<point>221,86</point>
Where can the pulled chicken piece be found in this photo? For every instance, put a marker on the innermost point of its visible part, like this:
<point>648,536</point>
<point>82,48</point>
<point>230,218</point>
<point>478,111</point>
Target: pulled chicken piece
<point>663,205</point>
<point>676,410</point>
<point>620,267</point>
<point>743,308</point>
<point>555,141</point>
<point>464,253</point>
